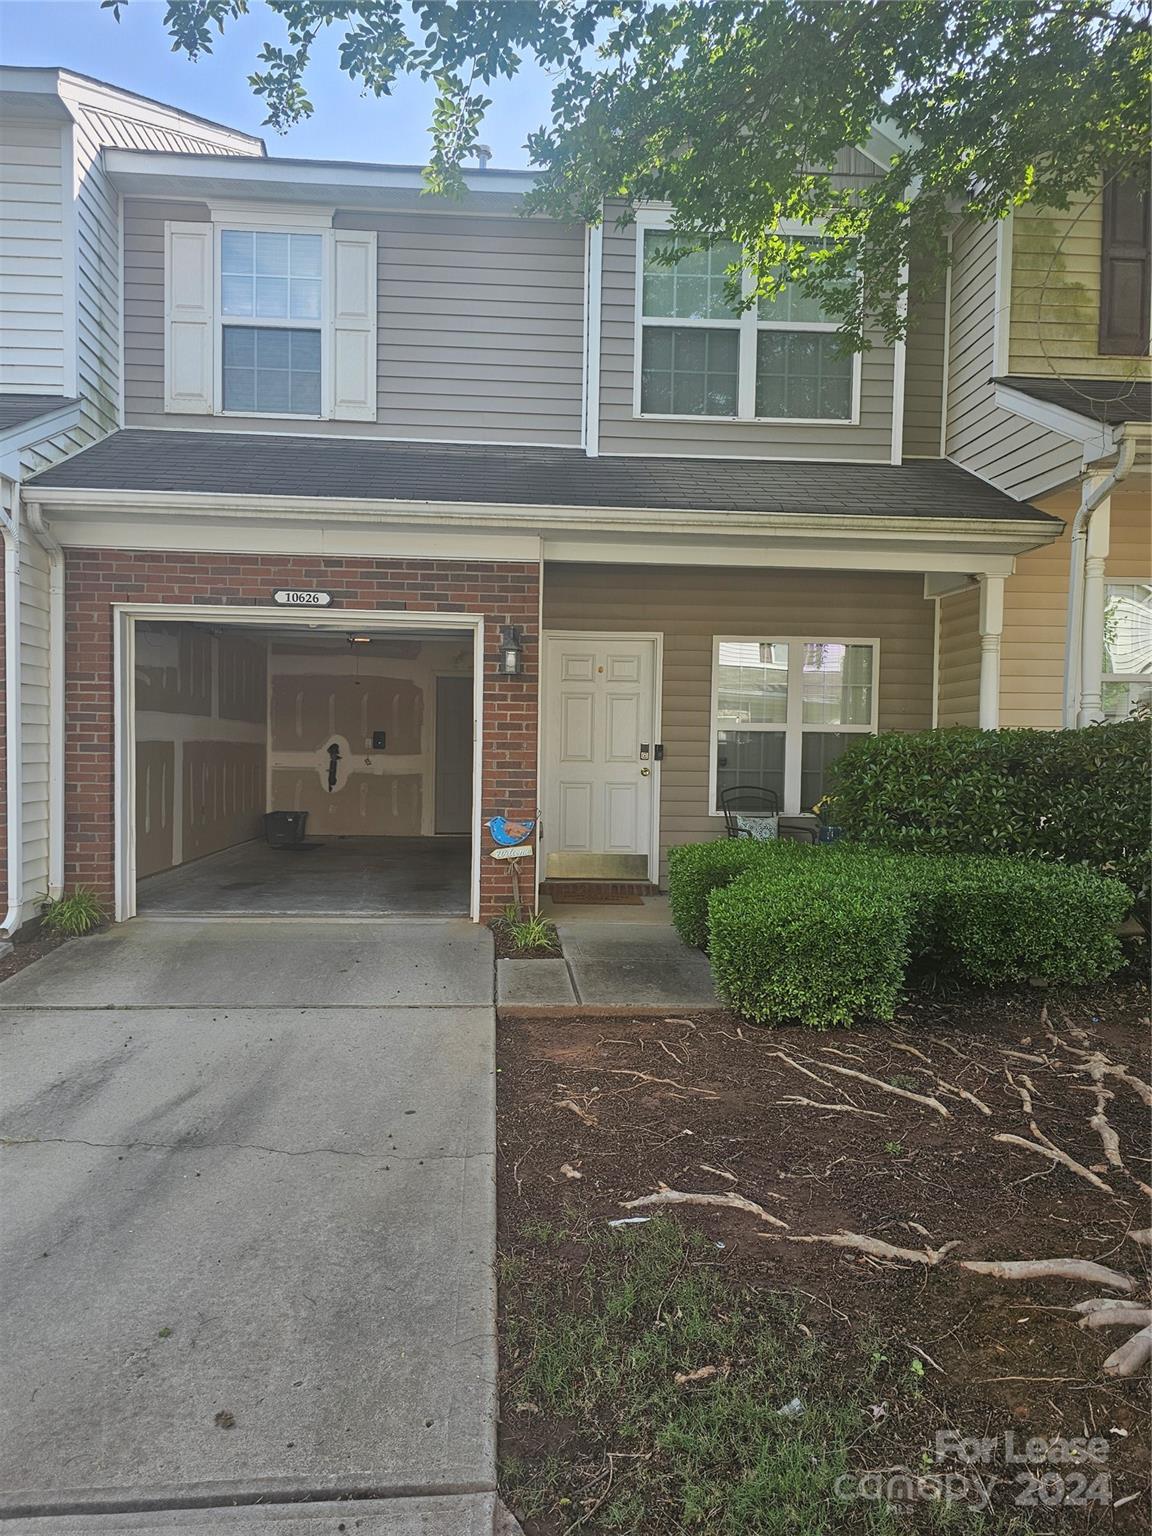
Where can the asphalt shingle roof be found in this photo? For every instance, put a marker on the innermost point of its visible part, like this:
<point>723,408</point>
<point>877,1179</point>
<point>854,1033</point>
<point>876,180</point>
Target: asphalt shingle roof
<point>1112,401</point>
<point>16,410</point>
<point>235,463</point>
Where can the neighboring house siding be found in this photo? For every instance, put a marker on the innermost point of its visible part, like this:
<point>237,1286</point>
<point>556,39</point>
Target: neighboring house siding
<point>33,312</point>
<point>1035,606</point>
<point>480,333</point>
<point>34,714</point>
<point>621,431</point>
<point>98,281</point>
<point>1009,452</point>
<point>924,376</point>
<point>958,679</point>
<point>1055,318</point>
<point>690,605</point>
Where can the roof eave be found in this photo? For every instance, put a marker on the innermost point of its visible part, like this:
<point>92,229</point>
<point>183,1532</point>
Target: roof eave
<point>1008,535</point>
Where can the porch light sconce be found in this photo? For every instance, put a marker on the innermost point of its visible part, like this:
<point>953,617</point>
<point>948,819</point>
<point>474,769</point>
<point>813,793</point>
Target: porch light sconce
<point>511,663</point>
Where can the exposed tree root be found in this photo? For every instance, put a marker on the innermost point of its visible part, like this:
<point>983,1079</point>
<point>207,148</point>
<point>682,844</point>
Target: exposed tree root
<point>874,1082</point>
<point>1128,1359</point>
<point>1143,1236</point>
<point>962,1093</point>
<point>848,1109</point>
<point>1102,1304</point>
<point>1025,1092</point>
<point>1118,1317</point>
<point>1051,1269</point>
<point>1106,1132</point>
<point>729,1200</point>
<point>1098,1067</point>
<point>878,1249</point>
<point>1045,1148</point>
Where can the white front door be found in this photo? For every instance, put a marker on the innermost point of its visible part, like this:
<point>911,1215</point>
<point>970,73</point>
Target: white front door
<point>599,756</point>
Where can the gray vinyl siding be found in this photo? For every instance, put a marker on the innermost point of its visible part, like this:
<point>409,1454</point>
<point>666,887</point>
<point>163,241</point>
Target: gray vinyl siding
<point>33,314</point>
<point>924,376</point>
<point>480,328</point>
<point>690,606</point>
<point>1013,454</point>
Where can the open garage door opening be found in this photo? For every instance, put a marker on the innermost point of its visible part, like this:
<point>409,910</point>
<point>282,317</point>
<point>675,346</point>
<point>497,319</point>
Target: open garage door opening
<point>308,768</point>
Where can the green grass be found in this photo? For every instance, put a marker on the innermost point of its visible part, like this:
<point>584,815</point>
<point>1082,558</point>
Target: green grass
<point>73,915</point>
<point>594,1351</point>
<point>531,932</point>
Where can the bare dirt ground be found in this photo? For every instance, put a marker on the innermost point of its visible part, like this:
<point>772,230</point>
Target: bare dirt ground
<point>705,1104</point>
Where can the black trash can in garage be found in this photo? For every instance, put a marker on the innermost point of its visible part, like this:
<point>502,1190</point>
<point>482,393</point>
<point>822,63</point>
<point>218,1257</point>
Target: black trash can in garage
<point>284,829</point>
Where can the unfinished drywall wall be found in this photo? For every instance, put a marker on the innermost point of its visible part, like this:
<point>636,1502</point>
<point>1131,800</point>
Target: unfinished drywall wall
<point>201,726</point>
<point>341,696</point>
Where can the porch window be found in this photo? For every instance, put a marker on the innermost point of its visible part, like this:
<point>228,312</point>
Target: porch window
<point>778,361</point>
<point>1127,648</point>
<point>271,286</point>
<point>784,710</point>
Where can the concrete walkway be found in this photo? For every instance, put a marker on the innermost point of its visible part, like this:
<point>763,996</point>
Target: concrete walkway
<point>247,1185</point>
<point>614,957</point>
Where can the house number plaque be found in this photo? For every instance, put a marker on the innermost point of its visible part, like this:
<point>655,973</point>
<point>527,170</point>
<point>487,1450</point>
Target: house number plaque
<point>289,597</point>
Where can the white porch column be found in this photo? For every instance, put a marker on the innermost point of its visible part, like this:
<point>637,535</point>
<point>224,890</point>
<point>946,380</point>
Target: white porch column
<point>1092,633</point>
<point>991,627</point>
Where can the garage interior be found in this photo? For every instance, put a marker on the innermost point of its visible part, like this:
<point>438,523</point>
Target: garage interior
<point>370,733</point>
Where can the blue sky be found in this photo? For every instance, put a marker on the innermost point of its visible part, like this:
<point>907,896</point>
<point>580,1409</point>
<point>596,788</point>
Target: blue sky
<point>135,53</point>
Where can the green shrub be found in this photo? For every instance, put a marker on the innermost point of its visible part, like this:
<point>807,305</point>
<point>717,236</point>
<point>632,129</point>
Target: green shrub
<point>826,936</point>
<point>695,870</point>
<point>1003,920</point>
<point>815,944</point>
<point>1073,797</point>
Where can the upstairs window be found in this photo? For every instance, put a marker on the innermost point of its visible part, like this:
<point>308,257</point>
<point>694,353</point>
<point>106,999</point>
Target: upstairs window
<point>777,361</point>
<point>273,365</point>
<point>1127,667</point>
<point>784,710</point>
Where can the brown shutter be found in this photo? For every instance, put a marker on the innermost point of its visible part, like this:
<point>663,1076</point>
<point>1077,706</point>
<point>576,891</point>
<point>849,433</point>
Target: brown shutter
<point>1125,269</point>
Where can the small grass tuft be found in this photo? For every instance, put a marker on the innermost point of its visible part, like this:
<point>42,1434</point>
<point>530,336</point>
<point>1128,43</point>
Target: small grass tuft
<point>73,915</point>
<point>531,932</point>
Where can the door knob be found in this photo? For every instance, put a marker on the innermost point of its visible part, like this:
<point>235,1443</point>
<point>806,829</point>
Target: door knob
<point>644,772</point>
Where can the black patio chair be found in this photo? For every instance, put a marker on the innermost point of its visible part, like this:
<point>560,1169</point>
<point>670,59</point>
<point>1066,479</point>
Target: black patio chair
<point>746,800</point>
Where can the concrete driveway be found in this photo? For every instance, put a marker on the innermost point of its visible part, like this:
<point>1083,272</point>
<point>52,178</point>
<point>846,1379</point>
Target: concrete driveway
<point>247,1186</point>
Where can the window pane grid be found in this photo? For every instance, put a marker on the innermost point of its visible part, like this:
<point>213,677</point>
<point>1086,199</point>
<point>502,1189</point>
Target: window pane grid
<point>270,276</point>
<point>783,711</point>
<point>689,371</point>
<point>271,370</point>
<point>694,287</point>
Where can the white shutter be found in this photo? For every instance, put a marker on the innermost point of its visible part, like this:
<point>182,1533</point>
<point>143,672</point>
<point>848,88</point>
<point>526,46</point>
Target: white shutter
<point>353,349</point>
<point>188,319</point>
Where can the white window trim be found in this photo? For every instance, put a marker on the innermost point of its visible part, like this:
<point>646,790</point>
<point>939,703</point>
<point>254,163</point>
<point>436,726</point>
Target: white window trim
<point>1141,678</point>
<point>748,325</point>
<point>323,324</point>
<point>794,727</point>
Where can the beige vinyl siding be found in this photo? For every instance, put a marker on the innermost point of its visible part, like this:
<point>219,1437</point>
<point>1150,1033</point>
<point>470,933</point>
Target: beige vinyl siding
<point>924,375</point>
<point>958,678</point>
<point>480,333</point>
<point>1035,605</point>
<point>33,312</point>
<point>1055,318</point>
<point>622,431</point>
<point>1002,448</point>
<point>691,606</point>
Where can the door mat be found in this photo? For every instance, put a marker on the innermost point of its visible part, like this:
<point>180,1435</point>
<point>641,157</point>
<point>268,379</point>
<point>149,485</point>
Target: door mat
<point>595,898</point>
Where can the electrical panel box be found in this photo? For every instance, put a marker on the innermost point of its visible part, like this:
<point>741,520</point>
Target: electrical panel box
<point>379,740</point>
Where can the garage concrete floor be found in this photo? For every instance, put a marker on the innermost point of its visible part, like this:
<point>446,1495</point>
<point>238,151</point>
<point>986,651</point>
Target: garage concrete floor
<point>337,876</point>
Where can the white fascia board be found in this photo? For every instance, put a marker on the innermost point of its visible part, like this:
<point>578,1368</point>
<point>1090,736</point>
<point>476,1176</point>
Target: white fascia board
<point>345,182</point>
<point>984,536</point>
<point>29,433</point>
<point>1097,438</point>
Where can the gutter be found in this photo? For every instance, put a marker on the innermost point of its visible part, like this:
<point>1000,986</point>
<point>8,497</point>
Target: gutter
<point>56,700</point>
<point>1091,496</point>
<point>14,750</point>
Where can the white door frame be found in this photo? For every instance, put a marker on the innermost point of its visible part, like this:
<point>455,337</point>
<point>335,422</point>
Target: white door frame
<point>608,635</point>
<point>125,617</point>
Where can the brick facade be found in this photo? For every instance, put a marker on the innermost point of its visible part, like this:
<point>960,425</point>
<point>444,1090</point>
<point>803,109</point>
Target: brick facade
<point>504,593</point>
